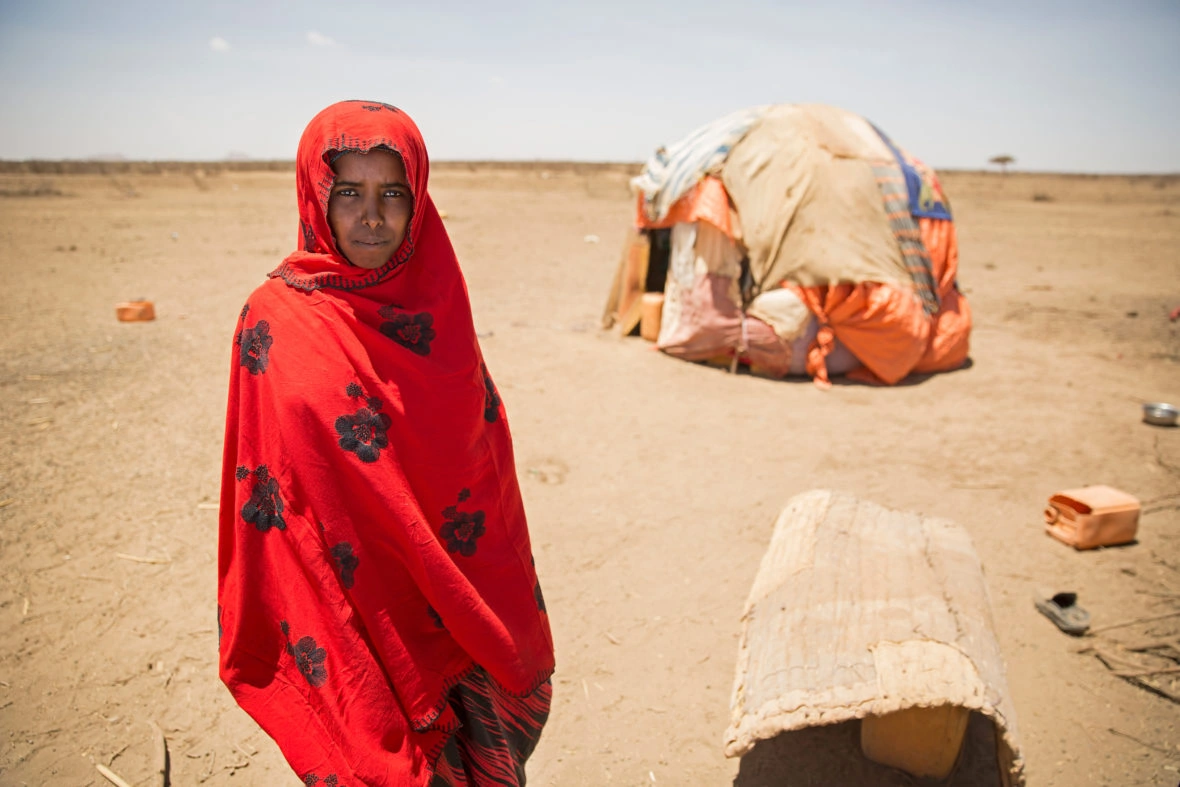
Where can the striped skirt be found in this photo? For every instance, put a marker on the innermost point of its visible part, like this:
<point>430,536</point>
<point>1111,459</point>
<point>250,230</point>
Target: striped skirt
<point>497,733</point>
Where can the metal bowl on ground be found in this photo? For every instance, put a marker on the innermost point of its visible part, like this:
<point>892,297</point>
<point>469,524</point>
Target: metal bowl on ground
<point>1160,414</point>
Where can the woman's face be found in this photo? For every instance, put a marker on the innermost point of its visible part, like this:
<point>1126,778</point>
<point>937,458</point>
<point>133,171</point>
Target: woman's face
<point>369,207</point>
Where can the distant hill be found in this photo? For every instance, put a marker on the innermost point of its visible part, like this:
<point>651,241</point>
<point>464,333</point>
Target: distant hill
<point>125,167</point>
<point>115,166</point>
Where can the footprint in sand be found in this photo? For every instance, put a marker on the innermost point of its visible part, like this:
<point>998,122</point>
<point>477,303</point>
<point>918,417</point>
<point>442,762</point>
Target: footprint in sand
<point>547,470</point>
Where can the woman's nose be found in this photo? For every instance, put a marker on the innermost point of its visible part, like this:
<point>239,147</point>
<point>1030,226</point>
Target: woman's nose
<point>372,214</point>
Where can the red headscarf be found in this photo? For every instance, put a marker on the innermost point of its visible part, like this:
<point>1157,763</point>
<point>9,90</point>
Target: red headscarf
<point>373,545</point>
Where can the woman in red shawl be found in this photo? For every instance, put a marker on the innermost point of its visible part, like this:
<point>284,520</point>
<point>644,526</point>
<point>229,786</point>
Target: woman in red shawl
<point>379,613</point>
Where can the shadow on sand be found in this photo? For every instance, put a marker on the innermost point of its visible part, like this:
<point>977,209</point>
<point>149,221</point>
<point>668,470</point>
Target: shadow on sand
<point>843,380</point>
<point>831,755</point>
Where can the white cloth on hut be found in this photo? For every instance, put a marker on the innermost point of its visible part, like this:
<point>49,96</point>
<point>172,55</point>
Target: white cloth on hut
<point>672,171</point>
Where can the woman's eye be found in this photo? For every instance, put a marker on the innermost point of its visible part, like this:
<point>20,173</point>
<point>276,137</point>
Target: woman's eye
<point>346,193</point>
<point>395,193</point>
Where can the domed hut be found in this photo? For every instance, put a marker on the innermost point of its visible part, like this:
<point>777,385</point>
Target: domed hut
<point>795,239</point>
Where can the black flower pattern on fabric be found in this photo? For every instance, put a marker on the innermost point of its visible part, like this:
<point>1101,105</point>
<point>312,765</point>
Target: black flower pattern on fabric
<point>254,347</point>
<point>412,331</point>
<point>435,618</point>
<point>311,780</point>
<point>241,472</point>
<point>346,562</point>
<point>491,400</point>
<point>265,507</point>
<point>245,310</point>
<point>309,659</point>
<point>365,431</point>
<point>540,598</point>
<point>379,107</point>
<point>462,529</point>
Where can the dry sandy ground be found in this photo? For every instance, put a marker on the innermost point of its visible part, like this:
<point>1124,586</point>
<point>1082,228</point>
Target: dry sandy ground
<point>652,484</point>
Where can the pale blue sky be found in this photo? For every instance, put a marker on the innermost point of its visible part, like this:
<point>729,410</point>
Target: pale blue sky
<point>1066,86</point>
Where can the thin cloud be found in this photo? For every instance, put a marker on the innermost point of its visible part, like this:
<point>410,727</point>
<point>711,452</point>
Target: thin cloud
<point>218,44</point>
<point>319,39</point>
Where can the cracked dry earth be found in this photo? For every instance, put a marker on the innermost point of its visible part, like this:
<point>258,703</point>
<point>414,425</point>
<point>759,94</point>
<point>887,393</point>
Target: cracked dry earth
<point>652,484</point>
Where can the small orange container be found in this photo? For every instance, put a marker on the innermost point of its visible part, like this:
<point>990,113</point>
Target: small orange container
<point>135,311</point>
<point>924,742</point>
<point>1093,516</point>
<point>651,313</point>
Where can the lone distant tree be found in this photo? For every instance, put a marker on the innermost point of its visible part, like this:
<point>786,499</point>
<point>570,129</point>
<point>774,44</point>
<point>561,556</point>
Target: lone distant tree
<point>1003,162</point>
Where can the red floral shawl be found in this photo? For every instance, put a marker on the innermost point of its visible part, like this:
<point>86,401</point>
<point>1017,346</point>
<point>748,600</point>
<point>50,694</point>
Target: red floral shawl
<point>373,546</point>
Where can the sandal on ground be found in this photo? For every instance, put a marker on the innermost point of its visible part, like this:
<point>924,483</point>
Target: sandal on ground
<point>1063,610</point>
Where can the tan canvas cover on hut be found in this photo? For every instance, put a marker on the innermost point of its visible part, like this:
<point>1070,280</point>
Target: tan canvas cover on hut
<point>810,214</point>
<point>840,132</point>
<point>857,610</point>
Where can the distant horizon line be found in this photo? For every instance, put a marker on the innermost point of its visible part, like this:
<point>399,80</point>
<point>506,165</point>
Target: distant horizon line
<point>65,165</point>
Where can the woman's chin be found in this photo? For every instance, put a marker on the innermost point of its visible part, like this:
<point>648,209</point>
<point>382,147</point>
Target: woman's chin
<point>368,261</point>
